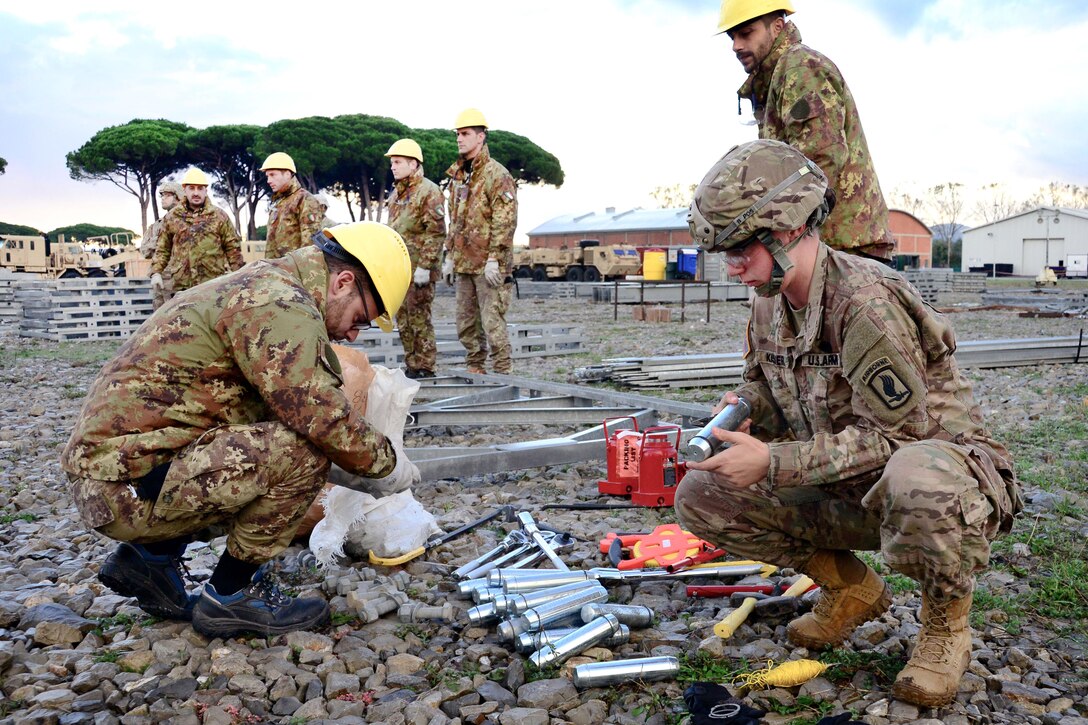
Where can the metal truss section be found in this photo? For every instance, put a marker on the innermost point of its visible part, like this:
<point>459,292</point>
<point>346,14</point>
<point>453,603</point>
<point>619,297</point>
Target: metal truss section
<point>504,400</point>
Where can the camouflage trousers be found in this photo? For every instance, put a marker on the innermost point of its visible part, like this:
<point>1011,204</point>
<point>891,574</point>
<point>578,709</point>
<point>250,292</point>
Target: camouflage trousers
<point>256,480</point>
<point>481,322</point>
<point>932,514</point>
<point>417,329</point>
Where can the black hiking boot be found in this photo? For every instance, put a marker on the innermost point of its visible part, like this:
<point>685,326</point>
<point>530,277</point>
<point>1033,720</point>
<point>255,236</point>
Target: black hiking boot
<point>260,607</point>
<point>157,581</point>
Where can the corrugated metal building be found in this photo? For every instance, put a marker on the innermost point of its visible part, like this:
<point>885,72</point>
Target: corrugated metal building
<point>1023,244</point>
<point>640,227</point>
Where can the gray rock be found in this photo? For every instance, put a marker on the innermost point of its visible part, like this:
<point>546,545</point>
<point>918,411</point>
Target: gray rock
<point>524,716</point>
<point>286,706</point>
<point>494,692</point>
<point>546,694</point>
<point>590,712</point>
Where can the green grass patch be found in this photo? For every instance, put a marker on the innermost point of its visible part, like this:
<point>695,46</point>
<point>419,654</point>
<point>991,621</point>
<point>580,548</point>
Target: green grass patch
<point>340,618</point>
<point>813,710</point>
<point>705,667</point>
<point>845,664</point>
<point>126,621</point>
<point>77,354</point>
<point>107,657</point>
<point>984,601</point>
<point>8,517</point>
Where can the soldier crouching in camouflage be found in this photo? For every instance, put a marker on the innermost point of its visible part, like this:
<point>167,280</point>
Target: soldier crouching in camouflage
<point>227,407</point>
<point>864,435</point>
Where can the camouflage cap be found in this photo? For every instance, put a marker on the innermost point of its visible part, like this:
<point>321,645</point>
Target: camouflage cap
<point>758,185</point>
<point>170,187</point>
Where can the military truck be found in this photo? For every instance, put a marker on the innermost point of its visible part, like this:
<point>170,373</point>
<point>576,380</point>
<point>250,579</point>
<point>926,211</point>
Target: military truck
<point>590,262</point>
<point>52,260</point>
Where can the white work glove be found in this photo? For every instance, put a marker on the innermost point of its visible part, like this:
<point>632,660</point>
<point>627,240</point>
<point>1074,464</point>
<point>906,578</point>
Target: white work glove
<point>421,276</point>
<point>447,270</point>
<point>403,476</point>
<point>492,273</point>
<point>156,282</point>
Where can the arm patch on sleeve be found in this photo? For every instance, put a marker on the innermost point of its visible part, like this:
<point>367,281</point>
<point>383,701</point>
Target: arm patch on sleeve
<point>807,107</point>
<point>887,380</point>
<point>331,362</point>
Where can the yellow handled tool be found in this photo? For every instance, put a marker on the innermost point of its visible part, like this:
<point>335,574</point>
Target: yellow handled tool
<point>507,512</point>
<point>737,617</point>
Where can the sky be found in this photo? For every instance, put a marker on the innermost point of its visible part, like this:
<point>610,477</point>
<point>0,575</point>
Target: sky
<point>630,95</point>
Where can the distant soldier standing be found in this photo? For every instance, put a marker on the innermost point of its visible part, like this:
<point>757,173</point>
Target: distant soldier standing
<point>479,248</point>
<point>169,196</point>
<point>799,97</point>
<point>323,202</point>
<point>295,215</point>
<point>198,242</point>
<point>417,212</point>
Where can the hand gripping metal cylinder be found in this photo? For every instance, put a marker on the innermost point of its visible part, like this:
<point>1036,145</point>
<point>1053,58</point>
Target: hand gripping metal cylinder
<point>539,617</point>
<point>532,641</point>
<point>577,641</point>
<point>704,444</point>
<point>633,615</point>
<point>602,674</point>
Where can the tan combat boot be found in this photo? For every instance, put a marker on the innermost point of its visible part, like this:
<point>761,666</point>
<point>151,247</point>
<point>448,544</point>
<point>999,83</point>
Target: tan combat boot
<point>843,605</point>
<point>941,655</point>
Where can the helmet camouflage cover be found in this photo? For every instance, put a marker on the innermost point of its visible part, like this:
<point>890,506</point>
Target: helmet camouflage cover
<point>758,185</point>
<point>170,187</point>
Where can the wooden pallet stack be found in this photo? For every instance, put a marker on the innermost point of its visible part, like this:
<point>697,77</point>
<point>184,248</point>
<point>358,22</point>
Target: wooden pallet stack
<point>91,308</point>
<point>968,282</point>
<point>930,282</point>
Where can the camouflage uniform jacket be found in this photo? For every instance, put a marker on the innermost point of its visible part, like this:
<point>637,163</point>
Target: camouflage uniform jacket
<point>150,242</point>
<point>196,245</point>
<point>249,347</point>
<point>799,97</point>
<point>417,211</point>
<point>295,217</point>
<point>871,369</point>
<point>483,214</point>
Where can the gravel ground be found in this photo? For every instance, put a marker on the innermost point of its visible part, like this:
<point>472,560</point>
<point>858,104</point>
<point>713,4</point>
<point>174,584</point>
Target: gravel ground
<point>73,652</point>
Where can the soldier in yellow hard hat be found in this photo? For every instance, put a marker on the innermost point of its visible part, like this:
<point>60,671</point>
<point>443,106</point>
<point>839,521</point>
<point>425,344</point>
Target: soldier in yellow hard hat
<point>483,205</point>
<point>799,97</point>
<point>417,210</point>
<point>294,215</point>
<point>227,407</point>
<point>197,242</point>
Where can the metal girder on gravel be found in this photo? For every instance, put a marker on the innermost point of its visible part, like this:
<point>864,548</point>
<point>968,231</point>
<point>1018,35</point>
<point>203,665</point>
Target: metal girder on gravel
<point>511,415</point>
<point>436,463</point>
<point>610,397</point>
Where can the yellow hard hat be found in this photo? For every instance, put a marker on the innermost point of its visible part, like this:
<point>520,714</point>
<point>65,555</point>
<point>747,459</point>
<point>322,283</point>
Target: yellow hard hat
<point>406,147</point>
<point>738,12</point>
<point>195,177</point>
<point>381,252</point>
<point>470,117</point>
<point>279,160</point>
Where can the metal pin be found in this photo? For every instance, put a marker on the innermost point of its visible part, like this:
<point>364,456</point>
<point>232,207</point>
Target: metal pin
<point>601,674</point>
<point>577,641</point>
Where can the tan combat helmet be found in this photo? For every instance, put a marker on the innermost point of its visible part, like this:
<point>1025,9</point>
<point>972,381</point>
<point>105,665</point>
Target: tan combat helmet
<point>755,189</point>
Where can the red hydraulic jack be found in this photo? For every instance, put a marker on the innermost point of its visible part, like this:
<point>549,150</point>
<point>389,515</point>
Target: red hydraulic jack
<point>643,464</point>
